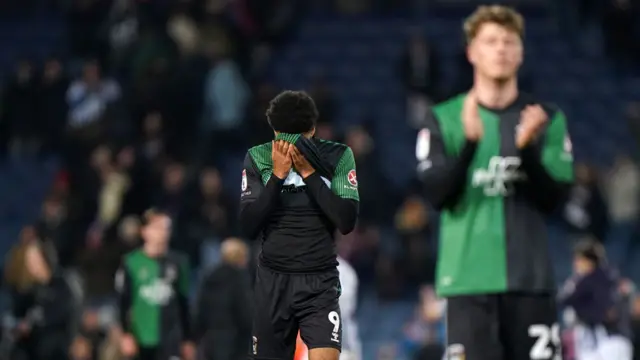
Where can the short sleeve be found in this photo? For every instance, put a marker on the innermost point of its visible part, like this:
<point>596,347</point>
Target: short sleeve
<point>557,152</point>
<point>345,181</point>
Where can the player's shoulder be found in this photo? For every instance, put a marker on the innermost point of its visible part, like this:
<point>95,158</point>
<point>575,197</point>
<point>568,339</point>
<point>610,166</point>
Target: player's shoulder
<point>332,150</point>
<point>259,156</point>
<point>260,150</point>
<point>132,256</point>
<point>445,111</point>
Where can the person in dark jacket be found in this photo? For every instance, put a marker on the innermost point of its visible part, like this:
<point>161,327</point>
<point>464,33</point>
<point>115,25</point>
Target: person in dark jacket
<point>594,295</point>
<point>224,306</point>
<point>48,323</point>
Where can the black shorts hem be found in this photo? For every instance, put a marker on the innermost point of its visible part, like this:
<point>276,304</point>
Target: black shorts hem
<point>322,346</point>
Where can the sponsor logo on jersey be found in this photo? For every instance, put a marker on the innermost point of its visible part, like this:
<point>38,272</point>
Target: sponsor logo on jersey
<point>499,176</point>
<point>455,352</point>
<point>295,180</point>
<point>352,178</point>
<point>159,292</point>
<point>244,183</point>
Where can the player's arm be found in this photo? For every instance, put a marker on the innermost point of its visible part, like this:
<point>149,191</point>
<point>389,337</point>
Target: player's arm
<point>340,203</point>
<point>549,165</point>
<point>257,201</point>
<point>123,287</point>
<point>182,294</point>
<point>443,176</point>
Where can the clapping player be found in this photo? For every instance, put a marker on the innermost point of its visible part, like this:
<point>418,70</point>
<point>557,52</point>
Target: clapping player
<point>496,162</point>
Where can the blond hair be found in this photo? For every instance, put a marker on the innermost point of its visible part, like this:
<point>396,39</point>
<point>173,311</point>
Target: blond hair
<point>504,16</point>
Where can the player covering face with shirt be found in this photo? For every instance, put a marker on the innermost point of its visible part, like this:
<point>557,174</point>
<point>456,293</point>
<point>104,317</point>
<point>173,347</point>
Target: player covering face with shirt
<point>496,162</point>
<point>296,191</point>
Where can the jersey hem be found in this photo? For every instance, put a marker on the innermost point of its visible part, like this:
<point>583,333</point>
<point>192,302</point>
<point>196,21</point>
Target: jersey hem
<point>277,270</point>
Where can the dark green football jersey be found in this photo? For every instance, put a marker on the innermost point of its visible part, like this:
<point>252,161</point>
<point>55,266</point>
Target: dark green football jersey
<point>153,293</point>
<point>297,225</point>
<point>493,197</point>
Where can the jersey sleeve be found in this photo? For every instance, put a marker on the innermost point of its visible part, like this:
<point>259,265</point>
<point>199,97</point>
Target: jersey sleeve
<point>549,166</point>
<point>257,201</point>
<point>345,182</point>
<point>557,156</point>
<point>182,291</point>
<point>443,176</point>
<point>123,286</point>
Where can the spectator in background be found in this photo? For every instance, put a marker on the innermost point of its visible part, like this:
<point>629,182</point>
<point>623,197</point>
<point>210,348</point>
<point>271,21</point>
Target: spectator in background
<point>52,107</point>
<point>90,101</point>
<point>19,114</point>
<point>585,211</point>
<point>419,71</point>
<point>122,28</point>
<point>184,31</point>
<point>16,275</point>
<point>225,100</point>
<point>623,193</point>
<point>53,228</point>
<point>210,217</point>
<point>224,306</point>
<point>373,186</point>
<point>424,335</point>
<point>412,224</point>
<point>48,324</point>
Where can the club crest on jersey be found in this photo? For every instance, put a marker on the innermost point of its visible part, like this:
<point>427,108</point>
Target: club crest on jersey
<point>243,185</point>
<point>352,178</point>
<point>423,145</point>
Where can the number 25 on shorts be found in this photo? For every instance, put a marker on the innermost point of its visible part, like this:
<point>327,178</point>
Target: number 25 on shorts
<point>547,342</point>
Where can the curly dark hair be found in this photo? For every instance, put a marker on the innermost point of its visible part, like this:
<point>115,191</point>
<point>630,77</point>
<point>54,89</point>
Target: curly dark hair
<point>292,112</point>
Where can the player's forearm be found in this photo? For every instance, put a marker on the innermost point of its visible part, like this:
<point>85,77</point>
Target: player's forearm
<point>546,192</point>
<point>444,183</point>
<point>254,214</point>
<point>343,213</point>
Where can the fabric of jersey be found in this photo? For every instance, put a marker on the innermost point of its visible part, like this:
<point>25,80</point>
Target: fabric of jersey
<point>297,235</point>
<point>493,235</point>
<point>153,293</point>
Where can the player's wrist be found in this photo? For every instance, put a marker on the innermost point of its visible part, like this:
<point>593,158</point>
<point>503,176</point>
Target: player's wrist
<point>280,174</point>
<point>306,174</point>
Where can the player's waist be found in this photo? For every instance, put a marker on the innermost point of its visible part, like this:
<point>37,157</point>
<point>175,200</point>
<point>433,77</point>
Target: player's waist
<point>286,265</point>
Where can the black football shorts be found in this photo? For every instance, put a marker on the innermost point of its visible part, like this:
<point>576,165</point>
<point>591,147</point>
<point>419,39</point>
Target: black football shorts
<point>288,303</point>
<point>510,326</point>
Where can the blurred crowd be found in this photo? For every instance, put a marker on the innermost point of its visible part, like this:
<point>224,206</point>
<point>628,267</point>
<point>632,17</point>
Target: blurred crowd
<point>154,104</point>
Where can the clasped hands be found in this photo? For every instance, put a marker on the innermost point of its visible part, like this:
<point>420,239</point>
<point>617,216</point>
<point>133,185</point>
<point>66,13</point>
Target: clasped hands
<point>532,120</point>
<point>284,156</point>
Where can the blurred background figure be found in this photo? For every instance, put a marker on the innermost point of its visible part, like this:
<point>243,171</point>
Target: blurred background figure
<point>223,312</point>
<point>596,297</point>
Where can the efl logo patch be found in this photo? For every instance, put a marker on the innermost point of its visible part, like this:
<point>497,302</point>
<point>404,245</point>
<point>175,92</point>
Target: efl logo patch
<point>568,146</point>
<point>455,352</point>
<point>352,178</point>
<point>244,180</point>
<point>255,346</point>
<point>423,145</point>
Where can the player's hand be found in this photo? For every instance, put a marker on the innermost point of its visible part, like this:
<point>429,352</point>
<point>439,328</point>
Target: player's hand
<point>300,163</point>
<point>532,119</point>
<point>471,121</point>
<point>188,351</point>
<point>128,346</point>
<point>281,158</point>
